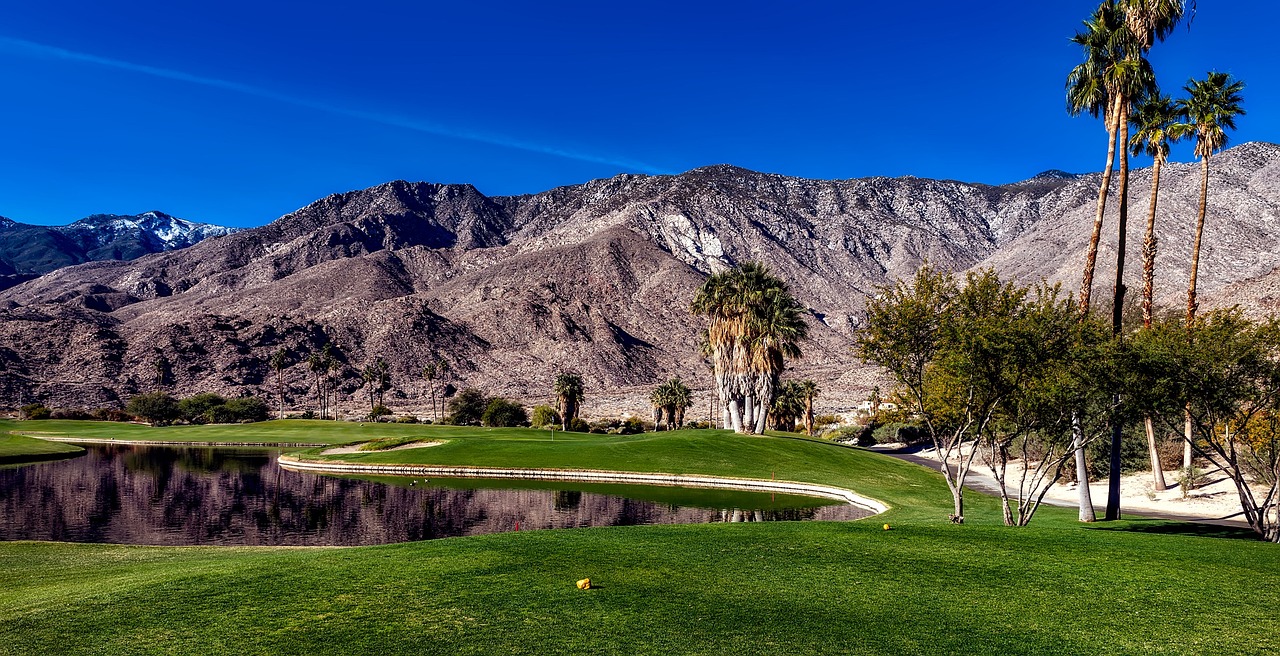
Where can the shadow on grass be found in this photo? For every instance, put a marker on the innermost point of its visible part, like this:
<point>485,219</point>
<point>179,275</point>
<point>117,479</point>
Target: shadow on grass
<point>1172,527</point>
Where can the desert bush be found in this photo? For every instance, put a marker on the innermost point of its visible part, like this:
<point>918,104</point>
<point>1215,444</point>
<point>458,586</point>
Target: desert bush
<point>544,415</point>
<point>34,411</point>
<point>857,435</point>
<point>579,425</point>
<point>407,419</point>
<point>111,414</point>
<point>378,412</point>
<point>71,413</point>
<point>501,413</point>
<point>905,433</point>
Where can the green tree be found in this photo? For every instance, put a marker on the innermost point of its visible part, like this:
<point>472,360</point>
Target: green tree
<point>543,416</point>
<point>502,413</point>
<point>809,392</point>
<point>196,409</point>
<point>467,407</point>
<point>569,392</point>
<point>247,408</point>
<point>755,325</point>
<point>157,407</point>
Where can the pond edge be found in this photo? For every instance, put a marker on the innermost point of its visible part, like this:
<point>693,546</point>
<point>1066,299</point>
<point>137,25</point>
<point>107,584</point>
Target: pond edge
<point>592,476</point>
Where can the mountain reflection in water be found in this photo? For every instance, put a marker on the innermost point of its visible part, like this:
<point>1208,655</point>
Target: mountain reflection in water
<point>189,496</point>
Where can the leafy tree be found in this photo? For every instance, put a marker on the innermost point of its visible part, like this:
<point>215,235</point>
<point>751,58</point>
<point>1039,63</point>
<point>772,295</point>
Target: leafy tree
<point>502,413</point>
<point>755,324</point>
<point>1224,371</point>
<point>467,407</point>
<point>569,392</point>
<point>34,411</point>
<point>248,408</point>
<point>157,407</point>
<point>195,409</point>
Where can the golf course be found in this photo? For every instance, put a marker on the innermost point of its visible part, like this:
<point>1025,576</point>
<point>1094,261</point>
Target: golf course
<point>923,585</point>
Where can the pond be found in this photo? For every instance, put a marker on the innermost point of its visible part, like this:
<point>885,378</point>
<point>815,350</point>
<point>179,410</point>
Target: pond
<point>237,496</point>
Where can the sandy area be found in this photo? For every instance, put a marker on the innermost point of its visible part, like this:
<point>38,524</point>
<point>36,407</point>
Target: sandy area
<point>1215,498</point>
<point>355,448</point>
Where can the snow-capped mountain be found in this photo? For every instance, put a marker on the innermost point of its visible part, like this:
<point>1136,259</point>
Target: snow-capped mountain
<point>30,250</point>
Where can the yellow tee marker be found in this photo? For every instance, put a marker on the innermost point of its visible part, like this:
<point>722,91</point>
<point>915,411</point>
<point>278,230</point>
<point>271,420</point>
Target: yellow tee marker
<point>584,584</point>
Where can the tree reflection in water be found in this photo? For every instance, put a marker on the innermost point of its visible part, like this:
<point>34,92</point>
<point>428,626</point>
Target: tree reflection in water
<point>187,496</point>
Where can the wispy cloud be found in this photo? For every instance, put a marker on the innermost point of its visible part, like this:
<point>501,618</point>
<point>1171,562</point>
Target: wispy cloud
<point>32,49</point>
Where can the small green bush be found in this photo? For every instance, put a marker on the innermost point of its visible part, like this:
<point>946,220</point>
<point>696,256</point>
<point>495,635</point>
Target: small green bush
<point>156,407</point>
<point>379,411</point>
<point>579,425</point>
<point>545,415</point>
<point>249,408</point>
<point>857,435</point>
<point>35,411</point>
<point>407,419</point>
<point>898,432</point>
<point>467,408</point>
<point>501,413</point>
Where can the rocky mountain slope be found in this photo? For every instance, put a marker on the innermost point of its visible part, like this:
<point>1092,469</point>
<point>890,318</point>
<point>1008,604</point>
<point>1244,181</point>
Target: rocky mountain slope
<point>594,277</point>
<point>27,251</point>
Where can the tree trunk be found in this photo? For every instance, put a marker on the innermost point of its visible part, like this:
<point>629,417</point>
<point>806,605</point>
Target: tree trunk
<point>1113,470</point>
<point>808,417</point>
<point>280,390</point>
<point>762,420</point>
<point>1122,228</point>
<point>1195,249</point>
<point>1082,470</point>
<point>1091,255</point>
<point>1186,442</point>
<point>749,414</point>
<point>1149,250</point>
<point>735,415</point>
<point>1157,469</point>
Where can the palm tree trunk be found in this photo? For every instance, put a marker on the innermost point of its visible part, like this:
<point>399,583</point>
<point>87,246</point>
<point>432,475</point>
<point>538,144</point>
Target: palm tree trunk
<point>1200,232</point>
<point>1082,470</point>
<point>1117,306</point>
<point>1157,469</point>
<point>280,390</point>
<point>1091,255</point>
<point>1149,249</point>
<point>734,409</point>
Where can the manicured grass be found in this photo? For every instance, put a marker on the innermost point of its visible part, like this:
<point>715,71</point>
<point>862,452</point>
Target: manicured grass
<point>925,586</point>
<point>18,449</point>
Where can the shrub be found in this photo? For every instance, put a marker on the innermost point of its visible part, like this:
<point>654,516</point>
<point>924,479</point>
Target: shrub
<point>156,407</point>
<point>196,409</point>
<point>35,411</point>
<point>111,414</point>
<point>856,435</point>
<point>467,408</point>
<point>501,413</point>
<point>71,413</point>
<point>218,414</point>
<point>635,425</point>
<point>898,432</point>
<point>379,411</point>
<point>545,415</point>
<point>249,408</point>
<point>407,419</point>
<point>579,425</point>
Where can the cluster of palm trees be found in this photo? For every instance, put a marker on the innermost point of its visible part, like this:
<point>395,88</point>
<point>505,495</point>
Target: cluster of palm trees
<point>1117,83</point>
<point>672,399</point>
<point>794,401</point>
<point>755,324</point>
<point>325,367</point>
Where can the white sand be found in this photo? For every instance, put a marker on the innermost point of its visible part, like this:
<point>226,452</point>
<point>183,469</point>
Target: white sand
<point>355,448</point>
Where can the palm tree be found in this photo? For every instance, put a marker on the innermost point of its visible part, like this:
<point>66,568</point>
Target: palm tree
<point>1153,120</point>
<point>318,364</point>
<point>1208,111</point>
<point>568,388</point>
<point>809,390</point>
<point>755,324</point>
<point>660,397</point>
<point>681,397</point>
<point>279,360</point>
<point>787,404</point>
<point>377,377</point>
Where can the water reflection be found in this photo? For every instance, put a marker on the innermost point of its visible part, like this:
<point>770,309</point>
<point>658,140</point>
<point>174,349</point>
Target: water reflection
<point>188,496</point>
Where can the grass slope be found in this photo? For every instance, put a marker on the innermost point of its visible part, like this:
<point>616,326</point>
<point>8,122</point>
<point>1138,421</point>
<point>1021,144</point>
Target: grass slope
<point>924,587</point>
<point>19,449</point>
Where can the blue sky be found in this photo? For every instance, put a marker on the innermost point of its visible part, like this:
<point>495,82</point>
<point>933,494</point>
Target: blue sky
<point>238,112</point>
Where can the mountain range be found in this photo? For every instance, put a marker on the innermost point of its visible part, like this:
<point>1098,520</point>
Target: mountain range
<point>595,278</point>
<point>28,251</point>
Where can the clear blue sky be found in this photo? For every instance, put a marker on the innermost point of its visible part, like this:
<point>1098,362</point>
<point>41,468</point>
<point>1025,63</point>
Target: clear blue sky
<point>237,112</point>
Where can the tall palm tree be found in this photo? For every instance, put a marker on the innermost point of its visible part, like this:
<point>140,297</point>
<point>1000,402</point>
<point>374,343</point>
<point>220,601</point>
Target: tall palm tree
<point>1152,122</point>
<point>755,324</point>
<point>1208,111</point>
<point>279,360</point>
<point>569,390</point>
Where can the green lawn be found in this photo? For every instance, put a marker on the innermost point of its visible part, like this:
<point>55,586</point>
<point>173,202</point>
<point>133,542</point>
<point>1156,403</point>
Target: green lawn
<point>924,587</point>
<point>18,449</point>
